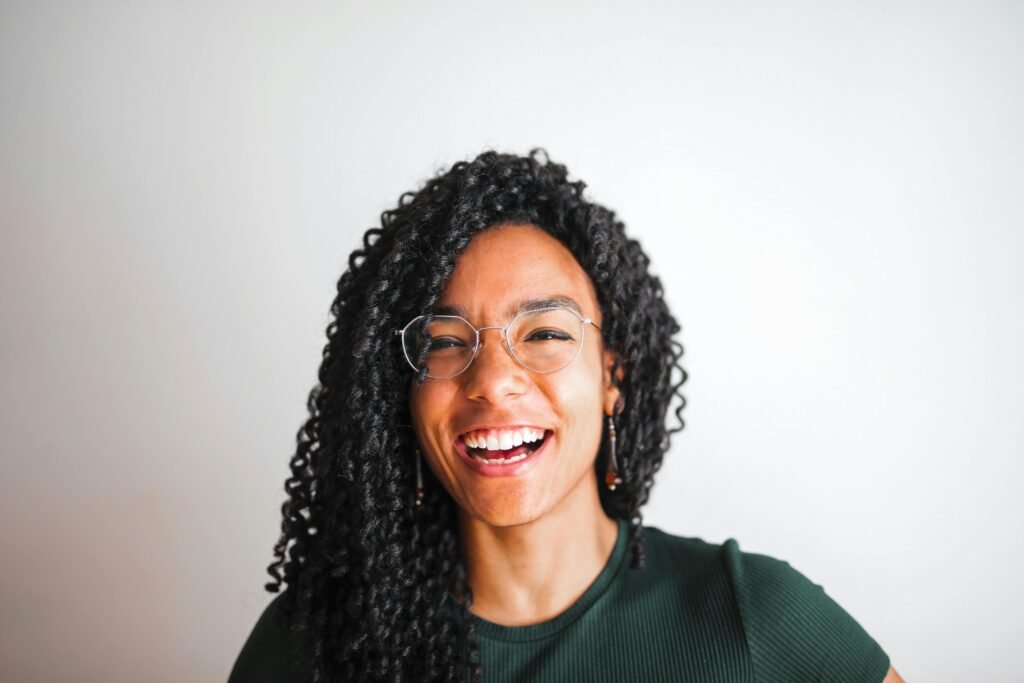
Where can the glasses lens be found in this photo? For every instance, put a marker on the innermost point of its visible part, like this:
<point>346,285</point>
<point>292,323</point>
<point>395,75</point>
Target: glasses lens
<point>546,340</point>
<point>444,345</point>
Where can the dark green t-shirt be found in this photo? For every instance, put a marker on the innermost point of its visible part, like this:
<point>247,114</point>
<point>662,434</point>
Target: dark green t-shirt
<point>698,612</point>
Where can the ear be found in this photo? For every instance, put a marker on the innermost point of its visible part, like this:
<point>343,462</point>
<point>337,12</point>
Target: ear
<point>613,401</point>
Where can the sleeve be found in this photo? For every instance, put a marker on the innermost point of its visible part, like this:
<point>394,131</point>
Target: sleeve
<point>794,630</point>
<point>267,655</point>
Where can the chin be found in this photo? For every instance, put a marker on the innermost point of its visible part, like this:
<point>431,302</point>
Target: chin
<point>504,513</point>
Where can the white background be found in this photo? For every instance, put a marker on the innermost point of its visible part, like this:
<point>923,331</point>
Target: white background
<point>831,193</point>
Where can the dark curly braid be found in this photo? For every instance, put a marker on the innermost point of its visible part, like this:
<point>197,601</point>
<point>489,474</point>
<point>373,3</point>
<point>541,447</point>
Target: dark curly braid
<point>377,588</point>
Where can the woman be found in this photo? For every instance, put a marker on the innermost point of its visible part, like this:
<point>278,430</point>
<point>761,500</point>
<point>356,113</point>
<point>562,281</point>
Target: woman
<point>465,498</point>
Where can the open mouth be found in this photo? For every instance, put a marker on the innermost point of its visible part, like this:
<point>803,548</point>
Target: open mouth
<point>503,447</point>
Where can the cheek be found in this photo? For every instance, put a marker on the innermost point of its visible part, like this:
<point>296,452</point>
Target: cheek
<point>425,402</point>
<point>580,400</point>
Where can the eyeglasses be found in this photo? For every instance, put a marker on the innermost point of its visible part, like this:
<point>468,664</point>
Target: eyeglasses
<point>544,340</point>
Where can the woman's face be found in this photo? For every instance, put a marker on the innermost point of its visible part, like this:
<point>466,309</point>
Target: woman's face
<point>503,269</point>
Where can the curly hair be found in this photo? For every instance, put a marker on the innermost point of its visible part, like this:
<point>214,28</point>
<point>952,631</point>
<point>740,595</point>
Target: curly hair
<point>376,587</point>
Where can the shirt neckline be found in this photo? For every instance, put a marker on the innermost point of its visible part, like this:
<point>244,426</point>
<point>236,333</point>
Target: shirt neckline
<point>492,631</point>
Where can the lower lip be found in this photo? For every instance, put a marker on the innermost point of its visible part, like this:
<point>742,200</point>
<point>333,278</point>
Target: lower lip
<point>508,469</point>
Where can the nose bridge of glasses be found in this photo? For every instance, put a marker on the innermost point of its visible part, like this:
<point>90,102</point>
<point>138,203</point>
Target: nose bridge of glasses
<point>480,338</point>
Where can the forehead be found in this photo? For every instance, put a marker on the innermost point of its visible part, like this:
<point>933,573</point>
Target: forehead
<point>507,265</point>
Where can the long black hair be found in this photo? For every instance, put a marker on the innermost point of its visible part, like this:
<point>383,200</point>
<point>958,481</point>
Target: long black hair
<point>373,580</point>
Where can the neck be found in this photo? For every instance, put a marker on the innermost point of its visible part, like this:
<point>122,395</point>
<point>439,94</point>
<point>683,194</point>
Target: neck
<point>532,572</point>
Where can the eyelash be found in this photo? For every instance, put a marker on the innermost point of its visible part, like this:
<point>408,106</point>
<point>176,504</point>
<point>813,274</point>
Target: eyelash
<point>440,343</point>
<point>560,336</point>
<point>538,335</point>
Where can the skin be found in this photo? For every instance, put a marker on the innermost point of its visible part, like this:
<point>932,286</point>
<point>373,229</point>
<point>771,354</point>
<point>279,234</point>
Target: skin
<point>533,542</point>
<point>893,677</point>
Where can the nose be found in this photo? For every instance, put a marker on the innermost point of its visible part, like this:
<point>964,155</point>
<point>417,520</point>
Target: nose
<point>494,376</point>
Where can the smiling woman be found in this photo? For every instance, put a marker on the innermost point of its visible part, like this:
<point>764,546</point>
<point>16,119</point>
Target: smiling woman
<point>465,499</point>
<point>539,373</point>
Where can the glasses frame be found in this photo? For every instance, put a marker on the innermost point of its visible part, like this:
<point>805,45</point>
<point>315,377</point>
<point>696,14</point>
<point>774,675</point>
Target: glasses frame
<point>509,346</point>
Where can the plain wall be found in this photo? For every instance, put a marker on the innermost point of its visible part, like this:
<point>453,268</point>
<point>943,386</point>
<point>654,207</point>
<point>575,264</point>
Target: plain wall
<point>831,193</point>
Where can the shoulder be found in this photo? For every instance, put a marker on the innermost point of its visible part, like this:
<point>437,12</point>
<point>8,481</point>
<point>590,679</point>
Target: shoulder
<point>269,653</point>
<point>672,553</point>
<point>792,628</point>
<point>688,573</point>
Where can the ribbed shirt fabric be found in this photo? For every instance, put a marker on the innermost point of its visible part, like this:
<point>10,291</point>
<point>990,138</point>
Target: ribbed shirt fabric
<point>698,612</point>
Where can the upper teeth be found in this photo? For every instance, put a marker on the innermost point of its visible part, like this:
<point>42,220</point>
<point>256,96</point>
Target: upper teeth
<point>502,439</point>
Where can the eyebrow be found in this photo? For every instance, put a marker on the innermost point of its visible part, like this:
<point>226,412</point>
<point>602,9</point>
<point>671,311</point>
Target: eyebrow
<point>517,308</point>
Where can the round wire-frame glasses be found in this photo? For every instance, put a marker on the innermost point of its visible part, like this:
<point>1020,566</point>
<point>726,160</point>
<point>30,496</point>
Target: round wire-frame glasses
<point>563,362</point>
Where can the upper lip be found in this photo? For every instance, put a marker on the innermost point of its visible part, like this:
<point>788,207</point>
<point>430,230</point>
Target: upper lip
<point>506,427</point>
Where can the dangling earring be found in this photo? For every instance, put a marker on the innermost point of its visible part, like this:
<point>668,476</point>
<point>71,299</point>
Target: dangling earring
<point>612,478</point>
<point>419,478</point>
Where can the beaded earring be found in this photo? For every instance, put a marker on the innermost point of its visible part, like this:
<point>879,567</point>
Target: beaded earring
<point>611,477</point>
<point>419,478</point>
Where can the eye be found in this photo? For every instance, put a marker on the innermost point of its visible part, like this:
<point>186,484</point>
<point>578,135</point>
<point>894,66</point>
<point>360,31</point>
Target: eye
<point>549,335</point>
<point>442,343</point>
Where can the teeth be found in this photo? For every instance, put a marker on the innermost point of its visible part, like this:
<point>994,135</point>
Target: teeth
<point>502,440</point>
<point>500,461</point>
